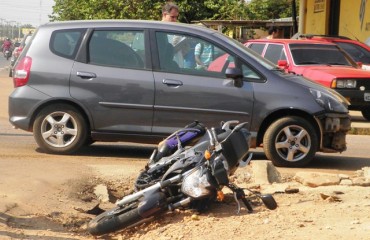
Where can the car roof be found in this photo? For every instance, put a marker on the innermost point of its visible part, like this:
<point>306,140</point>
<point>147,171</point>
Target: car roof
<point>151,24</point>
<point>289,41</point>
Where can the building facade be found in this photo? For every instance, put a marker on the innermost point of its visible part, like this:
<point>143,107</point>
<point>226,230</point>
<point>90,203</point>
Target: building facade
<point>350,18</point>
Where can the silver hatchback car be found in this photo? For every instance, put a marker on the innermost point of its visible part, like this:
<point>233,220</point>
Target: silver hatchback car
<point>122,80</point>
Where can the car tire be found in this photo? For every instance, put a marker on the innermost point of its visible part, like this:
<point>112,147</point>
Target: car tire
<point>366,114</point>
<point>290,142</point>
<point>60,129</point>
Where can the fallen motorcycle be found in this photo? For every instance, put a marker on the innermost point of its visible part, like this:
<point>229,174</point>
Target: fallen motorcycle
<point>189,177</point>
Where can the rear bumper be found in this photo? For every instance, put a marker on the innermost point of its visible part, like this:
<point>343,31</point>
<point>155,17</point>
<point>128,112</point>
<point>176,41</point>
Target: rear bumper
<point>22,105</point>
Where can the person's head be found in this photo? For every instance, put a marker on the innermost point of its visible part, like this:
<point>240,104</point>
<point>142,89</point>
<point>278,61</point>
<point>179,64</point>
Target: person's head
<point>170,12</point>
<point>273,32</point>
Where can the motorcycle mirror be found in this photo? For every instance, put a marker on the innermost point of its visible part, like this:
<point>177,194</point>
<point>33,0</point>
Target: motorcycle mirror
<point>269,201</point>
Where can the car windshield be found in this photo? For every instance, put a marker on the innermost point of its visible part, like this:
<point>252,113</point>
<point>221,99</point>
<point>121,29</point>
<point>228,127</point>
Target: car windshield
<point>358,53</point>
<point>321,54</point>
<point>264,62</point>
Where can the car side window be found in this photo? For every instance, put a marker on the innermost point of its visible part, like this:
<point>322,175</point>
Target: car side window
<point>249,73</point>
<point>65,43</point>
<point>257,47</point>
<point>275,52</point>
<point>116,48</point>
<point>190,55</point>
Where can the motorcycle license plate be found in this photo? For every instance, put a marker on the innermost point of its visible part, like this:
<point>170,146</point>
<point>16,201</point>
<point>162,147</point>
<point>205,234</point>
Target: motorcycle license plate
<point>367,97</point>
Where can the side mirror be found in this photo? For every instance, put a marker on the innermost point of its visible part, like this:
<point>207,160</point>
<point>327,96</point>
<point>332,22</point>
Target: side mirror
<point>283,64</point>
<point>236,74</point>
<point>269,201</point>
<point>359,64</point>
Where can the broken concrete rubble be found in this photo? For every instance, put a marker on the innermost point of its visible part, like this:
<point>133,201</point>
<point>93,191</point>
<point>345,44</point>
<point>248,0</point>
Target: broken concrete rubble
<point>101,191</point>
<point>315,179</point>
<point>264,172</point>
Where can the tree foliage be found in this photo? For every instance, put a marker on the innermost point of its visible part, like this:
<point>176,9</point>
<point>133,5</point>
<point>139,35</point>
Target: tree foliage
<point>269,9</point>
<point>190,10</point>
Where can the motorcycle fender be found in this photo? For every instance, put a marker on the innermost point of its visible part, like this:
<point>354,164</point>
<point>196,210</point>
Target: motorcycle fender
<point>152,203</point>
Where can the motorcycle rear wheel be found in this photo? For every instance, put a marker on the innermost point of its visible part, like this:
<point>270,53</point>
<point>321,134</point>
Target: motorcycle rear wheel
<point>113,220</point>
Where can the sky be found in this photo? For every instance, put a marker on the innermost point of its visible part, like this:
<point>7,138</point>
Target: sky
<point>34,12</point>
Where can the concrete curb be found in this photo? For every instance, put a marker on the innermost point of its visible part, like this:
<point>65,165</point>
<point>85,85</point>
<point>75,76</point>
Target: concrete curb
<point>359,124</point>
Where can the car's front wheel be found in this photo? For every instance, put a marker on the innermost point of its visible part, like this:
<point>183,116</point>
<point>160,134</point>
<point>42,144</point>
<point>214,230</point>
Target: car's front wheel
<point>366,113</point>
<point>60,129</point>
<point>290,142</point>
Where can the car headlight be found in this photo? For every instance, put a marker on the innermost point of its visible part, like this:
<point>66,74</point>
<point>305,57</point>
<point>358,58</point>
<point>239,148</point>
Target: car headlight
<point>344,83</point>
<point>330,101</point>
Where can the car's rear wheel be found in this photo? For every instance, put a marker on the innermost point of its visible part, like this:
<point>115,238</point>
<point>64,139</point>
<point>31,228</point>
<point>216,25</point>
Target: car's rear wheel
<point>290,142</point>
<point>60,129</point>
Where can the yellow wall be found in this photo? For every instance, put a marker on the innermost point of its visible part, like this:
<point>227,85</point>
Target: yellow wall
<point>351,24</point>
<point>316,18</point>
<point>350,19</point>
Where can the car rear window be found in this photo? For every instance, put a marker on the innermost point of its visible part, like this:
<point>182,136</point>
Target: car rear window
<point>117,48</point>
<point>65,43</point>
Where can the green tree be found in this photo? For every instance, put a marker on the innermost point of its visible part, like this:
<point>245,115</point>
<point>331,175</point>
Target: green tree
<point>269,9</point>
<point>191,10</point>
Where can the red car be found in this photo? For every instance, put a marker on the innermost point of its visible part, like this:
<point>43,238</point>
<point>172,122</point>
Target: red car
<point>359,51</point>
<point>322,62</point>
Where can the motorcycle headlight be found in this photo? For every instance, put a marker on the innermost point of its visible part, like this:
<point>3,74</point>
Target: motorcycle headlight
<point>331,101</point>
<point>196,184</point>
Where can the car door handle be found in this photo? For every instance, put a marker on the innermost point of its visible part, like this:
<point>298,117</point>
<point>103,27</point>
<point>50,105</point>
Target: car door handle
<point>172,83</point>
<point>86,75</point>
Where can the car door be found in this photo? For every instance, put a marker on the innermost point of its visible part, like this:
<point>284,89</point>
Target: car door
<point>187,92</point>
<point>114,84</point>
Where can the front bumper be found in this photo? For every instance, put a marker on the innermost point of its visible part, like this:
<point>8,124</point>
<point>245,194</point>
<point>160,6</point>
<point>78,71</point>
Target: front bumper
<point>334,128</point>
<point>358,99</point>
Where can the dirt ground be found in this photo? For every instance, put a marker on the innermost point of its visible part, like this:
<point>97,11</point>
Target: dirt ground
<point>44,197</point>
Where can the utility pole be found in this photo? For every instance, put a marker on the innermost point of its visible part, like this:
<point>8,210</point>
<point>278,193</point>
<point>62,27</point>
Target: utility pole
<point>19,30</point>
<point>2,28</point>
<point>40,12</point>
<point>12,29</point>
<point>294,17</point>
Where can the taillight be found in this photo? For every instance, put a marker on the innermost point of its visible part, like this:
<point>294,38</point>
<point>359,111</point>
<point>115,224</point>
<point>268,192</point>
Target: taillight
<point>21,72</point>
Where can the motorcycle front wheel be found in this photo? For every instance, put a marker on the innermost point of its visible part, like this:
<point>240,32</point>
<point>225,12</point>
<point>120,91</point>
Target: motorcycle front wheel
<point>113,220</point>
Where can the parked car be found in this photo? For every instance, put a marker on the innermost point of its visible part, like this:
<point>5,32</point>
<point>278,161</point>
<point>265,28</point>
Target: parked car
<point>359,51</point>
<point>322,62</point>
<point>17,51</point>
<point>82,81</point>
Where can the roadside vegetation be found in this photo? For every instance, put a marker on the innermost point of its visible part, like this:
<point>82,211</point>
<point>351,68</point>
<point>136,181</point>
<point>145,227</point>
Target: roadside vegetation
<point>191,10</point>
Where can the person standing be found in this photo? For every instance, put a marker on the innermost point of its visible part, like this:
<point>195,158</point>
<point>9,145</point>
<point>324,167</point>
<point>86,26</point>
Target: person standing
<point>203,55</point>
<point>273,33</point>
